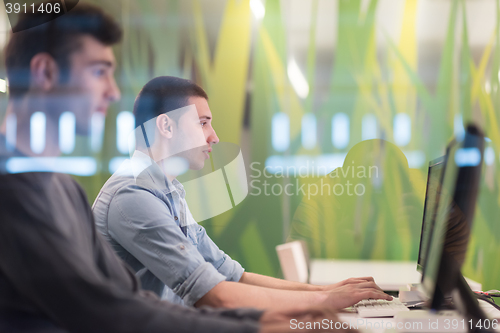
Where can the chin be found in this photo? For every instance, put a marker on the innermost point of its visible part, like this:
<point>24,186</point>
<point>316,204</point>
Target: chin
<point>197,165</point>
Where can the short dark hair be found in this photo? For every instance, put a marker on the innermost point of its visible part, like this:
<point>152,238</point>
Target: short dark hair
<point>58,37</point>
<point>163,94</point>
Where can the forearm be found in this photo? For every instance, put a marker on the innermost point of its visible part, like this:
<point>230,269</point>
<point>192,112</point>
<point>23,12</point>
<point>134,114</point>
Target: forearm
<point>234,294</point>
<point>270,282</point>
<point>250,314</point>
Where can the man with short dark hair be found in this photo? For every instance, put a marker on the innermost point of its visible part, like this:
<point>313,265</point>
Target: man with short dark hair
<point>142,212</point>
<point>57,274</point>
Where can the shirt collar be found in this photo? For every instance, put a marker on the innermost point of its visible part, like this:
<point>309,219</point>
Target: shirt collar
<point>143,165</point>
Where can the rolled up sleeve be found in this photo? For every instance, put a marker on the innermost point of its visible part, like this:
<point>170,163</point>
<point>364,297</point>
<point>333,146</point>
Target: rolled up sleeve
<point>200,282</point>
<point>228,267</point>
<point>231,269</point>
<point>143,225</point>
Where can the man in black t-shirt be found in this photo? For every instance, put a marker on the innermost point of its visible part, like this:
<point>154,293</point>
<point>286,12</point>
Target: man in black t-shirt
<point>56,273</point>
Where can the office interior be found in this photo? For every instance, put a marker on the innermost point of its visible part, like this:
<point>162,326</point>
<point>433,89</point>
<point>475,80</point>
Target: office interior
<point>300,86</point>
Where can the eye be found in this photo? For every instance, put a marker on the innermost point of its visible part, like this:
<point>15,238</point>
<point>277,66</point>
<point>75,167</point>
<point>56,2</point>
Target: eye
<point>203,123</point>
<point>99,72</point>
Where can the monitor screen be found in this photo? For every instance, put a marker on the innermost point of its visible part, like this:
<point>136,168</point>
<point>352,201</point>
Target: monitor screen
<point>454,214</point>
<point>431,199</point>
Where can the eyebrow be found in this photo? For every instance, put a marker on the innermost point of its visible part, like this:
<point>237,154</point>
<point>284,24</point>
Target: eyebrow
<point>206,117</point>
<point>106,63</point>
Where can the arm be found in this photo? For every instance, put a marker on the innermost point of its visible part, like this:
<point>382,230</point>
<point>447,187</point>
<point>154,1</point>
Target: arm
<point>234,294</point>
<point>144,226</point>
<point>270,282</point>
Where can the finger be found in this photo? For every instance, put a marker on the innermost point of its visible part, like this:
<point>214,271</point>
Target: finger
<point>357,280</point>
<point>365,294</point>
<point>376,286</point>
<point>366,278</point>
<point>353,280</point>
<point>370,284</point>
<point>362,280</point>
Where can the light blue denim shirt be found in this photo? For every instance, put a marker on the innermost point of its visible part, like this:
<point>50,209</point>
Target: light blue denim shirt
<point>146,219</point>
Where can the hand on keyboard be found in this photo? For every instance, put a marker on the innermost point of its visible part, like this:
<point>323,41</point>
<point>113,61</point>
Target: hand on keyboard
<point>351,293</point>
<point>353,280</point>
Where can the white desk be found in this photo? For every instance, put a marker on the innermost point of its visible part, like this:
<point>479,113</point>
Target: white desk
<point>389,275</point>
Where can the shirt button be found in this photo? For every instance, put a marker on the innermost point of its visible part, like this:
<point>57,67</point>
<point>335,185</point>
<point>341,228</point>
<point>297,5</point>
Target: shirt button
<point>176,218</point>
<point>182,247</point>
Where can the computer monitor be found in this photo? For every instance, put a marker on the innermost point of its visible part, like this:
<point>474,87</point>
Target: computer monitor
<point>434,174</point>
<point>454,216</point>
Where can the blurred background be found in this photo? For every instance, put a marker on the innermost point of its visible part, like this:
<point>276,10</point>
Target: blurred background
<point>299,83</point>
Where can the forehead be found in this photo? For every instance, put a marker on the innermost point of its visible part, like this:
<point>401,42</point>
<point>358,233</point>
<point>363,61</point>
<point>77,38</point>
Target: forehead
<point>90,50</point>
<point>201,106</point>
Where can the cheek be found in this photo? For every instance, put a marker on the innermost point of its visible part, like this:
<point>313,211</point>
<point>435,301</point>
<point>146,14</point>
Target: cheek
<point>198,134</point>
<point>92,85</point>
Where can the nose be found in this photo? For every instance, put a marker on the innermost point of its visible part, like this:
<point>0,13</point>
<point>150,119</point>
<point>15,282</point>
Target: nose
<point>212,138</point>
<point>113,93</point>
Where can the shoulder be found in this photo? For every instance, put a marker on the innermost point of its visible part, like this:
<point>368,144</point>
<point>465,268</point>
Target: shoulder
<point>37,182</point>
<point>121,188</point>
<point>41,196</point>
<point>132,199</point>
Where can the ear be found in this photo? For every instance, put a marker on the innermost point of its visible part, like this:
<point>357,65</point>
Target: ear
<point>165,127</point>
<point>44,72</point>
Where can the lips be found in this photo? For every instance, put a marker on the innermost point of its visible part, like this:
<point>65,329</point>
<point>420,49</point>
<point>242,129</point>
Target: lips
<point>102,109</point>
<point>207,151</point>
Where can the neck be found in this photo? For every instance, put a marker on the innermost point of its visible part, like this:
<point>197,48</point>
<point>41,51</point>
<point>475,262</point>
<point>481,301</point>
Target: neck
<point>23,109</point>
<point>163,168</point>
<point>157,154</point>
<point>160,154</point>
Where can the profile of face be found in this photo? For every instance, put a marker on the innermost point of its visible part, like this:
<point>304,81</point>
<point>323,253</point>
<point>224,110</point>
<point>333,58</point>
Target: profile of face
<point>194,134</point>
<point>91,86</point>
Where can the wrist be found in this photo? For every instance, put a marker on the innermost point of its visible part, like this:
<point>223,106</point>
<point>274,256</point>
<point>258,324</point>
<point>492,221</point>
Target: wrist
<point>318,288</point>
<point>321,297</point>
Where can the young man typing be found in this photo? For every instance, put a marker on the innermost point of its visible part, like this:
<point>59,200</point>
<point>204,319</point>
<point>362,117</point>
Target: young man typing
<point>143,213</point>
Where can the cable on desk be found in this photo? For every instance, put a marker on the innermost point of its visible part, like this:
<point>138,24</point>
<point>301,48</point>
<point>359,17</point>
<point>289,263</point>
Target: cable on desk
<point>492,293</point>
